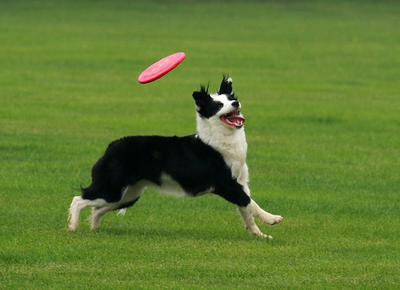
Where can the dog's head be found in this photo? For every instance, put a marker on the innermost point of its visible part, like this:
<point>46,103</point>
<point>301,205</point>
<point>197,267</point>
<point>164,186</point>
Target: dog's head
<point>222,106</point>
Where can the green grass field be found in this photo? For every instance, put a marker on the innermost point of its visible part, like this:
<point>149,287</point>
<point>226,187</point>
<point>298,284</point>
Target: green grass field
<point>319,82</point>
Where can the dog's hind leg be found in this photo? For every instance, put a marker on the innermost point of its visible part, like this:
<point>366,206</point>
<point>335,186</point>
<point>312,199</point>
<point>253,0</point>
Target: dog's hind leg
<point>78,204</point>
<point>130,196</point>
<point>98,213</point>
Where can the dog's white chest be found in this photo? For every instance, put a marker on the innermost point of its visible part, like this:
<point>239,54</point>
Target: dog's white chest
<point>233,148</point>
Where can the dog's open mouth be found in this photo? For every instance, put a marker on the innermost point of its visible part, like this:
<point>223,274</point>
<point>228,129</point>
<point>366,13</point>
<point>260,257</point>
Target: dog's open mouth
<point>233,119</point>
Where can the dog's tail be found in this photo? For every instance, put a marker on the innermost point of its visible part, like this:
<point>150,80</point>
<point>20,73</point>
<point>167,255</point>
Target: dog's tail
<point>101,186</point>
<point>90,192</point>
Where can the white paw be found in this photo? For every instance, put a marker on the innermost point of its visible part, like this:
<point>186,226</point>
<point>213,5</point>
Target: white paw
<point>72,227</point>
<point>276,219</point>
<point>262,235</point>
<point>266,236</point>
<point>270,219</point>
<point>256,231</point>
<point>122,211</point>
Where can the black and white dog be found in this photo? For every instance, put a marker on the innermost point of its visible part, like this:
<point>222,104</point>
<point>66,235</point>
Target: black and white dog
<point>212,161</point>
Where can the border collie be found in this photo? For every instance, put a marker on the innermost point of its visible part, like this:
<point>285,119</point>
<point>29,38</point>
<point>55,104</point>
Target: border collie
<point>212,161</point>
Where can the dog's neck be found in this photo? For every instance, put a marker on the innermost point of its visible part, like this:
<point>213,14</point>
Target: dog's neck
<point>229,142</point>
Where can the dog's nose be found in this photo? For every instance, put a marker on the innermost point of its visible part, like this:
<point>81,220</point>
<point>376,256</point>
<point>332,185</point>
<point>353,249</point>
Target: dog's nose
<point>236,104</point>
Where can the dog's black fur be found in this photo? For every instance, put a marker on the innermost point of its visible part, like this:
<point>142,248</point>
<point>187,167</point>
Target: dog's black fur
<point>197,167</point>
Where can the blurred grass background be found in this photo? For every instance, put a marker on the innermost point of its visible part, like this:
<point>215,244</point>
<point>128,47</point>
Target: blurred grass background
<point>319,85</point>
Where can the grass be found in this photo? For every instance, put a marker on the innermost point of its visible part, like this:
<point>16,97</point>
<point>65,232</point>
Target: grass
<point>320,91</point>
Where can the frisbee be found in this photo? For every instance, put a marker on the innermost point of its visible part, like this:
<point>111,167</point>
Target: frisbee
<point>161,67</point>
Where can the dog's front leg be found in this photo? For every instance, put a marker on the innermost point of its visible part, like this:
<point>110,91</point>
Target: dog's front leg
<point>248,208</point>
<point>264,216</point>
<point>254,210</point>
<point>250,225</point>
<point>248,214</point>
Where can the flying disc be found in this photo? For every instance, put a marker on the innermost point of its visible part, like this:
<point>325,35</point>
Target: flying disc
<point>161,67</point>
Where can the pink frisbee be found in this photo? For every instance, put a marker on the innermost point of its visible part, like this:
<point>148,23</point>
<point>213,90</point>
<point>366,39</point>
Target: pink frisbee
<point>161,67</point>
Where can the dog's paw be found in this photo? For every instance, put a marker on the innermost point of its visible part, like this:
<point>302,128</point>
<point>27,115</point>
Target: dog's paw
<point>270,219</point>
<point>262,235</point>
<point>122,211</point>
<point>72,228</point>
<point>256,231</point>
<point>265,236</point>
<point>276,219</point>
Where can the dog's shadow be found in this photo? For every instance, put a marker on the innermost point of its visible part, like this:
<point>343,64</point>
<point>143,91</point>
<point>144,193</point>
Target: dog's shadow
<point>146,232</point>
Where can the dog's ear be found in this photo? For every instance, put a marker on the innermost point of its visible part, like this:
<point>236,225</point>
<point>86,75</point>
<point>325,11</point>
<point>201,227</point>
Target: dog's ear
<point>205,105</point>
<point>226,86</point>
<point>202,97</point>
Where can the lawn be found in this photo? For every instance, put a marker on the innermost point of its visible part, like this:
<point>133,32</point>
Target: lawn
<point>319,83</point>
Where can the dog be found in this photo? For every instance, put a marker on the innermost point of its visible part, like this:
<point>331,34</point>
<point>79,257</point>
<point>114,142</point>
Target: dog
<point>211,161</point>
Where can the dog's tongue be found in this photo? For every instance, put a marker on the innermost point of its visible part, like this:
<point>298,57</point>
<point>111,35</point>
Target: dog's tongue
<point>237,120</point>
